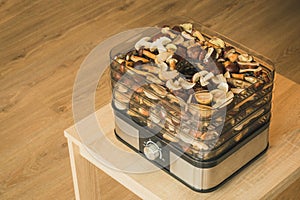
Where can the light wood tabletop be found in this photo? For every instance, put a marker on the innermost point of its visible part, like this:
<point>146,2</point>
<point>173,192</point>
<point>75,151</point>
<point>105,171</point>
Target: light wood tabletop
<point>266,178</point>
<point>43,43</point>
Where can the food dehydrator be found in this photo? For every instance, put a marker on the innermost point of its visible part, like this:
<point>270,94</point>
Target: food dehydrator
<point>192,102</point>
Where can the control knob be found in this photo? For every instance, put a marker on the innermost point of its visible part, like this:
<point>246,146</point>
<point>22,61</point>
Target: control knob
<point>152,150</point>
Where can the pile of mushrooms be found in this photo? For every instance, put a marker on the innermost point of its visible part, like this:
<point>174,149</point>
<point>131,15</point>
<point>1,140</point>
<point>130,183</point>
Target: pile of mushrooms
<point>184,67</point>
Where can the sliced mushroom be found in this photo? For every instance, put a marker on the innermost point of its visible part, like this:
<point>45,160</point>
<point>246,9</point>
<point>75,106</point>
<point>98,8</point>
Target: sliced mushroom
<point>210,50</point>
<point>172,63</point>
<point>143,73</point>
<point>228,99</point>
<point>157,114</point>
<point>158,89</point>
<point>171,47</point>
<point>159,44</point>
<point>169,124</point>
<point>137,58</point>
<point>150,95</point>
<point>238,83</point>
<point>185,84</point>
<point>199,66</point>
<point>167,75</point>
<point>149,54</point>
<point>245,57</point>
<point>166,30</point>
<point>172,98</point>
<point>164,40</point>
<point>119,105</point>
<point>189,100</point>
<point>208,76</point>
<point>198,35</point>
<point>183,135</point>
<point>198,75</point>
<point>203,82</point>
<point>217,41</point>
<point>152,78</point>
<point>250,70</point>
<point>200,145</point>
<point>223,86</point>
<point>121,97</point>
<point>228,51</point>
<point>144,42</point>
<point>121,88</point>
<point>248,63</point>
<point>162,66</point>
<point>210,135</point>
<point>119,60</point>
<point>219,51</point>
<point>143,112</point>
<point>163,56</point>
<point>251,79</point>
<point>218,95</point>
<point>237,90</point>
<point>229,95</point>
<point>146,102</point>
<point>175,119</point>
<point>218,79</point>
<point>208,44</point>
<point>238,76</point>
<point>202,111</point>
<point>187,35</point>
<point>203,97</point>
<point>150,68</point>
<point>188,27</point>
<point>170,138</point>
<point>233,57</point>
<point>172,86</point>
<point>132,113</point>
<point>227,74</point>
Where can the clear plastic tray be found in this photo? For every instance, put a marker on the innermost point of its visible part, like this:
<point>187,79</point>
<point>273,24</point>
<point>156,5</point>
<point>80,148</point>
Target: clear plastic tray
<point>233,117</point>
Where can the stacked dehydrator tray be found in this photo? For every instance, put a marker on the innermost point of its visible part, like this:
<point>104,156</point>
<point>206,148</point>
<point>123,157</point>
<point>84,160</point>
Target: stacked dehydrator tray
<point>191,101</point>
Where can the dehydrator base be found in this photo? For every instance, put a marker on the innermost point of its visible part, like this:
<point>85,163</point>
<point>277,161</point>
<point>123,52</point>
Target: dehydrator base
<point>262,132</point>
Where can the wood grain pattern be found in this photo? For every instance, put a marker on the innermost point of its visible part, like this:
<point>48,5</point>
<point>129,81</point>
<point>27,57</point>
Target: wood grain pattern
<point>43,43</point>
<point>293,189</point>
<point>95,184</point>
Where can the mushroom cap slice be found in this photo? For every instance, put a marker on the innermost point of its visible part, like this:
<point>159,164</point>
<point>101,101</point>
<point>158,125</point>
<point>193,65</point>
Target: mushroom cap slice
<point>119,105</point>
<point>163,56</point>
<point>172,86</point>
<point>158,89</point>
<point>217,41</point>
<point>203,97</point>
<point>143,42</point>
<point>150,95</point>
<point>185,84</point>
<point>245,57</point>
<point>188,27</point>
<point>167,75</point>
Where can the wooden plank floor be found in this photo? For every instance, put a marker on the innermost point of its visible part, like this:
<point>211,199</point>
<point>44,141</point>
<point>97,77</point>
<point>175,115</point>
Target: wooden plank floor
<point>42,44</point>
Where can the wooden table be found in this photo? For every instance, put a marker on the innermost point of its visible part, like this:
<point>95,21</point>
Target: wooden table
<point>272,174</point>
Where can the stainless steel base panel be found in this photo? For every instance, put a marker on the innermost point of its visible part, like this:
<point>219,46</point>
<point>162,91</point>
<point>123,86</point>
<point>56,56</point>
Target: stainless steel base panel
<point>201,179</point>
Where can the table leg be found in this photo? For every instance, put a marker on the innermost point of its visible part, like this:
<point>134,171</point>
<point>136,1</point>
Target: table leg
<point>92,183</point>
